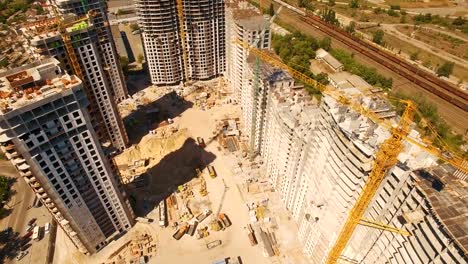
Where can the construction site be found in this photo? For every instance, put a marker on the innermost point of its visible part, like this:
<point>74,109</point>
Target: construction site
<point>187,176</point>
<point>235,160</point>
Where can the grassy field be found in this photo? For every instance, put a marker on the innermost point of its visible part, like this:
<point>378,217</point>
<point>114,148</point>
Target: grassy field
<point>455,46</point>
<point>428,59</point>
<point>419,3</point>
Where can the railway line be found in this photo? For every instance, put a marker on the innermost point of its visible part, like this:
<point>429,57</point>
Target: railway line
<point>414,74</point>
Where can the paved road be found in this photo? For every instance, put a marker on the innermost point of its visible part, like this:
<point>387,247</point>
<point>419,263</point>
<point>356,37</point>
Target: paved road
<point>19,202</point>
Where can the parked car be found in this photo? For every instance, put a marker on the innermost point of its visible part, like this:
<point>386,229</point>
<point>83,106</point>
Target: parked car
<point>32,221</point>
<point>201,142</point>
<point>30,227</point>
<point>21,255</point>
<point>46,228</point>
<point>28,234</point>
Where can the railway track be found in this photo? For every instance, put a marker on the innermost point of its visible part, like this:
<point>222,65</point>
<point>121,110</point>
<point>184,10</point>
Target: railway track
<point>414,74</point>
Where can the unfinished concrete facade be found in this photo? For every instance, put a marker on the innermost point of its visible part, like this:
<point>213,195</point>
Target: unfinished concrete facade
<point>243,23</point>
<point>45,131</point>
<point>204,43</point>
<point>108,57</point>
<point>84,37</point>
<point>318,157</point>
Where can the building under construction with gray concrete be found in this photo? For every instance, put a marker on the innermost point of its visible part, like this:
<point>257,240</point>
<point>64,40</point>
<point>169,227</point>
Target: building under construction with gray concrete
<point>46,133</point>
<point>184,40</point>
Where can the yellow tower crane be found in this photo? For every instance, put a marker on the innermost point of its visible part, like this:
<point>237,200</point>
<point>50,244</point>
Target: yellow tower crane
<point>62,24</point>
<point>385,158</point>
<point>183,40</point>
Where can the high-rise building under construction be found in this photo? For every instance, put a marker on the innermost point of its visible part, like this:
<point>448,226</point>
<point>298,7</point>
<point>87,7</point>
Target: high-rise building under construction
<point>45,131</point>
<point>318,156</point>
<point>92,47</point>
<point>183,40</point>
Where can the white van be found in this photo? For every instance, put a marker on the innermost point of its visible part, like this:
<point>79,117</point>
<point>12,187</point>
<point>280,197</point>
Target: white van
<point>35,235</point>
<point>47,228</point>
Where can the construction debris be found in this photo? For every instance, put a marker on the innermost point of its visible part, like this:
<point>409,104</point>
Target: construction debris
<point>140,248</point>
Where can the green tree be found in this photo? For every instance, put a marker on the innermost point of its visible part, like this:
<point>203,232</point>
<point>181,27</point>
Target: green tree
<point>140,58</point>
<point>329,16</point>
<point>124,64</point>
<point>414,56</point>
<point>301,3</point>
<point>354,4</point>
<point>325,43</point>
<point>271,10</point>
<point>351,27</point>
<point>120,12</point>
<point>377,36</point>
<point>392,13</point>
<point>446,69</point>
<point>331,2</point>
<point>134,27</point>
<point>459,21</point>
<point>39,10</point>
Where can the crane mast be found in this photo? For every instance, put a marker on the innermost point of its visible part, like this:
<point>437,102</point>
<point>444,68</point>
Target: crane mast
<point>180,14</point>
<point>385,159</point>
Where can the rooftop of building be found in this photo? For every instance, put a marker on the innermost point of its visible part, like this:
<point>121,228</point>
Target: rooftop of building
<point>246,15</point>
<point>448,196</point>
<point>33,82</point>
<point>329,59</point>
<point>266,71</point>
<point>48,28</point>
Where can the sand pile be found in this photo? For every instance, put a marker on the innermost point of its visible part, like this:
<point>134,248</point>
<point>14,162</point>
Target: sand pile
<point>152,147</point>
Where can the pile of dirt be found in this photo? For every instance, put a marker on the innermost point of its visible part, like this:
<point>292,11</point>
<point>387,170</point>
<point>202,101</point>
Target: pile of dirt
<point>152,148</point>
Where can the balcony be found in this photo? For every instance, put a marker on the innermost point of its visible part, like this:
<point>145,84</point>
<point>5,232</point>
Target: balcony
<point>43,196</point>
<point>9,147</point>
<point>35,185</point>
<point>18,161</point>
<point>11,155</point>
<point>26,174</point>
<point>39,190</point>
<point>29,179</point>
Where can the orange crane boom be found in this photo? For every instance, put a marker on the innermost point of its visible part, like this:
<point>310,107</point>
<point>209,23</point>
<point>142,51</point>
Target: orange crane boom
<point>386,156</point>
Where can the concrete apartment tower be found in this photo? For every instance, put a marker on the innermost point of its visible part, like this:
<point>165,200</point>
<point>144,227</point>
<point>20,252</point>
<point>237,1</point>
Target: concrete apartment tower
<point>202,22</point>
<point>105,44</point>
<point>99,83</point>
<point>243,23</point>
<point>45,131</point>
<point>318,156</point>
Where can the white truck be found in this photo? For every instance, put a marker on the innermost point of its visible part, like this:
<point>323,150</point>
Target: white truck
<point>36,233</point>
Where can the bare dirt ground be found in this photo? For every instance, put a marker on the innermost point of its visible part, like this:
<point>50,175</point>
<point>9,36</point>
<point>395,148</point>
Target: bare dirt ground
<point>173,157</point>
<point>450,44</point>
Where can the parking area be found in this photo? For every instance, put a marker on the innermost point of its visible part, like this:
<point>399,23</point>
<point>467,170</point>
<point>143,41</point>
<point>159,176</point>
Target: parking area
<point>37,248</point>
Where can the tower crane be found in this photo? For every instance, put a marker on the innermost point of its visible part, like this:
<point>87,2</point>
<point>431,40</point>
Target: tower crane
<point>180,14</point>
<point>385,158</point>
<point>62,24</point>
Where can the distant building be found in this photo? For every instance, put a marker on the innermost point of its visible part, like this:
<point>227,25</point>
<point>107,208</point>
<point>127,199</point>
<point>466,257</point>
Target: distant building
<point>243,23</point>
<point>45,131</point>
<point>334,64</point>
<point>204,28</point>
